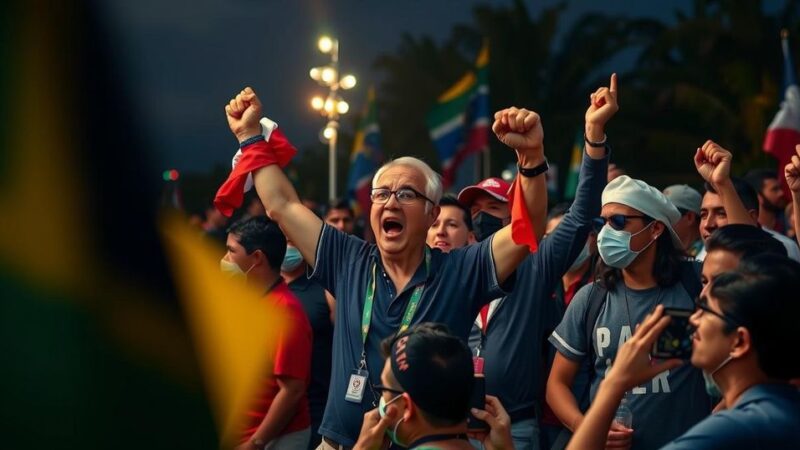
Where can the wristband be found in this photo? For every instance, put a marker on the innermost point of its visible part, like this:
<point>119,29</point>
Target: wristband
<point>596,144</point>
<point>251,140</point>
<point>534,171</point>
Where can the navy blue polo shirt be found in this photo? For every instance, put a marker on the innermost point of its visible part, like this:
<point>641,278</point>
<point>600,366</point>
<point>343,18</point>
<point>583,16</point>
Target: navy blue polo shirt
<point>515,345</point>
<point>458,284</point>
<point>767,416</point>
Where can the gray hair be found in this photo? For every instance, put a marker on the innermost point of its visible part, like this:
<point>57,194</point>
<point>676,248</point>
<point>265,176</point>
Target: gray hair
<point>433,182</point>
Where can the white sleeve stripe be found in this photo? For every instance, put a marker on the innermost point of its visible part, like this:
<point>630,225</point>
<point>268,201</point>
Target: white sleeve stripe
<point>567,346</point>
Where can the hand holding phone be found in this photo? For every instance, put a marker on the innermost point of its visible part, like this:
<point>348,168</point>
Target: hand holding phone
<point>676,339</point>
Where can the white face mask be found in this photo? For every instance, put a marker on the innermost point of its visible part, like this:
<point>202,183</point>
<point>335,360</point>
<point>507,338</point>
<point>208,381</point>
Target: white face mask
<point>712,388</point>
<point>232,270</point>
<point>614,246</point>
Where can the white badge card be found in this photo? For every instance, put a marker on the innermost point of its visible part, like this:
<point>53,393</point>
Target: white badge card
<point>356,385</point>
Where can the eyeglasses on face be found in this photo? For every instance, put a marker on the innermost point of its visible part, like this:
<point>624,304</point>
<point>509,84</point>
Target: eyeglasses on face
<point>404,196</point>
<point>616,221</point>
<point>379,388</point>
<point>701,303</point>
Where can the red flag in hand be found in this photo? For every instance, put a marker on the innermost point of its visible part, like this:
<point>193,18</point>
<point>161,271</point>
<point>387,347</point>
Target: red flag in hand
<point>521,225</point>
<point>260,154</point>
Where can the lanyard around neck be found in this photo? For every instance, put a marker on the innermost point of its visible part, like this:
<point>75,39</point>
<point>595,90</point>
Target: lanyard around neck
<point>411,308</point>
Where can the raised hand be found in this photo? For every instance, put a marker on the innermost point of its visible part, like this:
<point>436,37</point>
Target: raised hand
<point>243,113</point>
<point>521,130</point>
<point>792,172</point>
<point>602,107</point>
<point>713,163</point>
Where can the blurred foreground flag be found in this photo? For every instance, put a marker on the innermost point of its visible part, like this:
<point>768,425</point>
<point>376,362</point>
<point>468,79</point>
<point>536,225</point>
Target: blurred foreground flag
<point>98,351</point>
<point>784,131</point>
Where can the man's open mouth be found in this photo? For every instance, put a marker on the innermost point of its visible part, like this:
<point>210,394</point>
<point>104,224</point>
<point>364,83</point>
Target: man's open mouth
<point>392,227</point>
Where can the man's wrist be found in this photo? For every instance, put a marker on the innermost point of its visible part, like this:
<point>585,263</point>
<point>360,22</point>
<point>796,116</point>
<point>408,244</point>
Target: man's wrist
<point>248,134</point>
<point>251,140</point>
<point>530,158</point>
<point>594,132</point>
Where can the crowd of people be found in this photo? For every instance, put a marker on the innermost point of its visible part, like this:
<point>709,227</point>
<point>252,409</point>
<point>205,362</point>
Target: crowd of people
<point>483,320</point>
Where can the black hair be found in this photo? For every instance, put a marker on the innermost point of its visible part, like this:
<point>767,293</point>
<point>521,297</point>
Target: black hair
<point>746,193</point>
<point>451,200</point>
<point>756,177</point>
<point>337,203</point>
<point>261,233</point>
<point>761,295</point>
<point>439,374</point>
<point>666,267</point>
<point>744,240</point>
<point>558,210</point>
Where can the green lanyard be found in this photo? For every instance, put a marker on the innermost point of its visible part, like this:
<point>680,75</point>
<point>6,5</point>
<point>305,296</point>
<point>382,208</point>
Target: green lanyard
<point>411,308</point>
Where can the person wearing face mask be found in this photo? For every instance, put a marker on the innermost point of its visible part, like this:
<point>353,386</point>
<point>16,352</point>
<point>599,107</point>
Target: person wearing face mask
<point>510,334</point>
<point>425,388</point>
<point>319,311</point>
<point>742,330</point>
<point>278,417</point>
<point>642,265</point>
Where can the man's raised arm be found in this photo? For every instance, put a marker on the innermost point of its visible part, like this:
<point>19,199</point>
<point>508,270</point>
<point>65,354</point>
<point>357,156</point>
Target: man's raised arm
<point>521,130</point>
<point>276,192</point>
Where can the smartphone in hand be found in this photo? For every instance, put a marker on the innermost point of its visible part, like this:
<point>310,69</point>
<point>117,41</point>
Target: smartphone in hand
<point>676,340</point>
<point>478,400</point>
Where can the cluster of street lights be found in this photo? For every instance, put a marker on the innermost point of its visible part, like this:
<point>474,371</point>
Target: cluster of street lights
<point>332,106</point>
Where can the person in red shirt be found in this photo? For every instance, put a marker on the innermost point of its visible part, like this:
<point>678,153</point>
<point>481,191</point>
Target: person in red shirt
<point>278,418</point>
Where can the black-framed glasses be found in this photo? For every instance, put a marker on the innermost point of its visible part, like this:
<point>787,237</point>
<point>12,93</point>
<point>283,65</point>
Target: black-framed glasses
<point>617,221</point>
<point>701,303</point>
<point>379,389</point>
<point>404,195</point>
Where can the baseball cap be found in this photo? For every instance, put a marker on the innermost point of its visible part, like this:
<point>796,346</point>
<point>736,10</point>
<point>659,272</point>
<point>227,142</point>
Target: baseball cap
<point>645,198</point>
<point>496,187</point>
<point>684,197</point>
<point>435,368</point>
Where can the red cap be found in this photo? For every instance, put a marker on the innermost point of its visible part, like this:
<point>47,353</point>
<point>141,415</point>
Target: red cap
<point>496,187</point>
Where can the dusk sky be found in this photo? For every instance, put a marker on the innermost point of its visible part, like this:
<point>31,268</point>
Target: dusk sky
<point>184,59</point>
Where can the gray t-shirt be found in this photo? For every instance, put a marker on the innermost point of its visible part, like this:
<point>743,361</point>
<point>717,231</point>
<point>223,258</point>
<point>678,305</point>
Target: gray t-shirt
<point>670,403</point>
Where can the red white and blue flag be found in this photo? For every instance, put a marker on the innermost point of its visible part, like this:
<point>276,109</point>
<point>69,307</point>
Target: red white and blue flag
<point>783,133</point>
<point>365,159</point>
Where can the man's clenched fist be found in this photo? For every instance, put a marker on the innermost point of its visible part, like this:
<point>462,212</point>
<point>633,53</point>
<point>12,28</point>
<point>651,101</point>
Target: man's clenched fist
<point>521,130</point>
<point>244,113</point>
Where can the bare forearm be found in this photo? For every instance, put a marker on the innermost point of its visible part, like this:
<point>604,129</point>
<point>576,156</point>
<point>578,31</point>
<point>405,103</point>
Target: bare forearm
<point>593,430</point>
<point>280,413</point>
<point>563,403</point>
<point>796,214</point>
<point>282,204</point>
<point>535,191</point>
<point>734,208</point>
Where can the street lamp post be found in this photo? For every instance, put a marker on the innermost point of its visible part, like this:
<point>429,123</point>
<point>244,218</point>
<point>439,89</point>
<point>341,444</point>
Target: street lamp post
<point>332,106</point>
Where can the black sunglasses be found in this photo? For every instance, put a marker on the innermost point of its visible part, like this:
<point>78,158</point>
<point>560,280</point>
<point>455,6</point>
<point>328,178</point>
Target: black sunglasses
<point>616,221</point>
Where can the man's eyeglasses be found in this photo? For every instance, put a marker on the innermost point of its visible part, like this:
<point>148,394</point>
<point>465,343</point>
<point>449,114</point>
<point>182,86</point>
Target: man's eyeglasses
<point>701,303</point>
<point>405,196</point>
<point>379,389</point>
<point>616,221</point>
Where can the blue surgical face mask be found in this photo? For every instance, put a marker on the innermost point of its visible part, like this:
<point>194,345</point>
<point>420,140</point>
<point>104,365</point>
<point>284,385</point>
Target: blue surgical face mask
<point>580,259</point>
<point>382,404</point>
<point>292,260</point>
<point>712,388</point>
<point>614,246</point>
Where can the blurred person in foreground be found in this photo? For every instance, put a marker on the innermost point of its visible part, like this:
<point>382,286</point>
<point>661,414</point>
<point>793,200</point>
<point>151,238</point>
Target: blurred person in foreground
<point>742,327</point>
<point>279,416</point>
<point>425,390</point>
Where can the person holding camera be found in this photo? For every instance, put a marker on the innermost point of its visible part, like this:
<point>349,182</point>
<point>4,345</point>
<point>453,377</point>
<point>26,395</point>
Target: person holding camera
<point>741,329</point>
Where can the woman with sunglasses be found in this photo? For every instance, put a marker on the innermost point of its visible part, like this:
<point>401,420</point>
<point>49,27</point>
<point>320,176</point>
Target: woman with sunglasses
<point>642,265</point>
<point>746,344</point>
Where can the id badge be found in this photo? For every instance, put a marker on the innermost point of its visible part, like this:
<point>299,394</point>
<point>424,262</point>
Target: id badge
<point>356,385</point>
